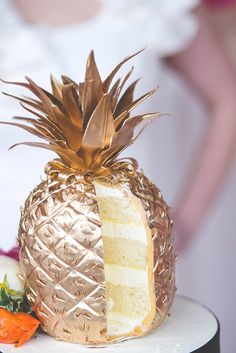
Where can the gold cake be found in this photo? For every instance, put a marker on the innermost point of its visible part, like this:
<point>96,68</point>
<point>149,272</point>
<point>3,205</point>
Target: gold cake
<point>96,250</point>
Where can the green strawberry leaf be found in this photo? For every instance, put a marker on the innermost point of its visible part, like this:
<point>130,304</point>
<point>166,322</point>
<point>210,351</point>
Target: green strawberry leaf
<point>5,282</point>
<point>11,300</point>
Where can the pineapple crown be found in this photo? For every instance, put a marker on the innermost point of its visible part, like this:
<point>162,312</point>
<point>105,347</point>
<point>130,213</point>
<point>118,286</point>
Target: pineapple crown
<point>87,124</point>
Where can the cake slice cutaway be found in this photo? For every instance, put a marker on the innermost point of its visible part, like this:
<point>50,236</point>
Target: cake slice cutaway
<point>128,262</point>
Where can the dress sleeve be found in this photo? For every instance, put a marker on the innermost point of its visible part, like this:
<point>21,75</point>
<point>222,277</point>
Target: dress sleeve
<point>166,26</point>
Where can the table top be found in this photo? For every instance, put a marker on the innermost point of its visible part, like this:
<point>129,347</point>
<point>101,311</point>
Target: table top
<point>190,327</point>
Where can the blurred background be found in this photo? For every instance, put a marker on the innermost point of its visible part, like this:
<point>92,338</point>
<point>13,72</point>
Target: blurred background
<point>191,53</point>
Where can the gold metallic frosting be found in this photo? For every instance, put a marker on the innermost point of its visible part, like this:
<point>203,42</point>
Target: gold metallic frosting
<point>61,248</point>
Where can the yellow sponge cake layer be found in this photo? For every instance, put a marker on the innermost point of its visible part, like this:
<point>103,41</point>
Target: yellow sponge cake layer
<point>117,252</point>
<point>128,262</point>
<point>118,210</point>
<point>121,299</point>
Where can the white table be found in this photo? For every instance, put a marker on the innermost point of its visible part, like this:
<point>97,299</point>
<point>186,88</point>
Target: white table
<point>190,328</point>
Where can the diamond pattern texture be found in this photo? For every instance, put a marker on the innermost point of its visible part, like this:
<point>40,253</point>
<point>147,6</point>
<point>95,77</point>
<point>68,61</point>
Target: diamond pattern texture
<point>61,255</point>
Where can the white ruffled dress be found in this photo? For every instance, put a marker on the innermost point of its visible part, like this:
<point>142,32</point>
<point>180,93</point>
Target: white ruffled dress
<point>120,28</point>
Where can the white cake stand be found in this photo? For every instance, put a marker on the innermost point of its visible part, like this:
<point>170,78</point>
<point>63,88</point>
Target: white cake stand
<point>190,328</point>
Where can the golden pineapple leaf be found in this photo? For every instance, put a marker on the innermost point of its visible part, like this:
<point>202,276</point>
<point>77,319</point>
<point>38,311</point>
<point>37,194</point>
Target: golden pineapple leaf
<point>126,100</point>
<point>87,101</point>
<point>92,74</point>
<point>92,91</point>
<point>135,103</point>
<point>72,133</point>
<point>99,131</point>
<point>55,101</point>
<point>44,120</point>
<point>27,101</point>
<point>108,80</point>
<point>66,81</point>
<point>22,84</point>
<point>127,76</point>
<point>39,92</point>
<point>32,111</point>
<point>67,155</point>
<point>71,104</point>
<point>33,131</point>
<point>42,127</point>
<point>124,136</point>
<point>126,133</point>
<point>56,87</point>
<point>114,94</point>
<point>88,123</point>
<point>119,120</point>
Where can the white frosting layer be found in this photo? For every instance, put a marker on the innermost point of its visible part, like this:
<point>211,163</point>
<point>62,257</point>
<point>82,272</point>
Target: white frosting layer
<point>108,191</point>
<point>119,324</point>
<point>130,231</point>
<point>119,275</point>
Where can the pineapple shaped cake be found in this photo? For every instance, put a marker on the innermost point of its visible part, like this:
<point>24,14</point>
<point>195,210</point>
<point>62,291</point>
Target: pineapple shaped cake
<point>96,252</point>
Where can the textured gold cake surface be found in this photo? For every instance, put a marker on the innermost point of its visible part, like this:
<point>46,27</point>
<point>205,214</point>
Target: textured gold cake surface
<point>87,124</point>
<point>62,255</point>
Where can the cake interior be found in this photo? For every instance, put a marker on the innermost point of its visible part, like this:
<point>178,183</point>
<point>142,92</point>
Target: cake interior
<point>128,262</point>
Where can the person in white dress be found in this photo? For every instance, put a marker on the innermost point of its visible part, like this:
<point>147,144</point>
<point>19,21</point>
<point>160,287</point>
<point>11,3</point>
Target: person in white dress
<point>37,38</point>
